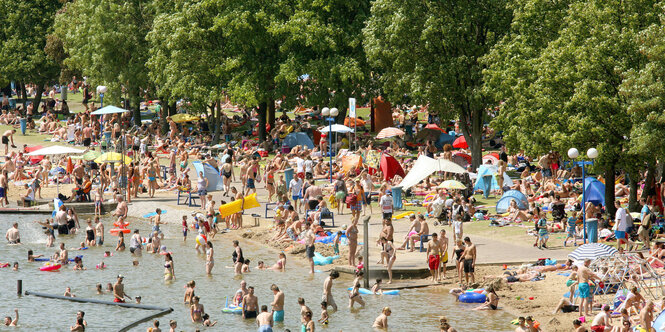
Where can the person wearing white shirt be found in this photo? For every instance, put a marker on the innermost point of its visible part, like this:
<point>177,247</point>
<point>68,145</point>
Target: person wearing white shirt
<point>309,168</point>
<point>296,188</point>
<point>300,167</point>
<point>368,185</point>
<point>621,225</point>
<point>387,205</point>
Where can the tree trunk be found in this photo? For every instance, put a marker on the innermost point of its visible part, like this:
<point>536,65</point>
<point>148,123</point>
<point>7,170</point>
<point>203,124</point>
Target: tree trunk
<point>632,197</point>
<point>609,190</point>
<point>474,135</point>
<point>137,108</point>
<point>263,110</point>
<point>38,98</point>
<point>24,96</point>
<point>649,183</point>
<point>271,113</point>
<point>217,115</point>
<point>371,114</point>
<point>164,114</point>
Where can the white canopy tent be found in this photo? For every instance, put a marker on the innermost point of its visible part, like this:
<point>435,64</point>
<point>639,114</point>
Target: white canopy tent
<point>425,166</point>
<point>55,150</point>
<point>109,110</point>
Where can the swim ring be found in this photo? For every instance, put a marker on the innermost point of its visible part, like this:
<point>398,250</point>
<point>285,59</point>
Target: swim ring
<point>120,225</point>
<point>472,298</point>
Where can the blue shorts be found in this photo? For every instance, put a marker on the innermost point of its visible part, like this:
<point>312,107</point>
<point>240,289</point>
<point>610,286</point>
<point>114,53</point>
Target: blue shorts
<point>2,192</point>
<point>100,241</point>
<point>265,328</point>
<point>620,235</point>
<point>202,192</point>
<point>585,290</point>
<point>295,197</point>
<point>184,231</point>
<point>278,316</point>
<point>250,184</point>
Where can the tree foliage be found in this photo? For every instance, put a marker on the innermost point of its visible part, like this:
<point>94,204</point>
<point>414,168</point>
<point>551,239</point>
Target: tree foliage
<point>106,40</point>
<point>431,50</point>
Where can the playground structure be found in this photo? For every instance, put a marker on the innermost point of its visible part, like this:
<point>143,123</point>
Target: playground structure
<point>620,271</point>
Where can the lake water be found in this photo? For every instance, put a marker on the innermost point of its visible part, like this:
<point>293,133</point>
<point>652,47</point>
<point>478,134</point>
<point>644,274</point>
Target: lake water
<point>413,310</point>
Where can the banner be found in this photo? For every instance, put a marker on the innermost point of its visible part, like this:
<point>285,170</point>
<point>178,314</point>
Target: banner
<point>352,107</point>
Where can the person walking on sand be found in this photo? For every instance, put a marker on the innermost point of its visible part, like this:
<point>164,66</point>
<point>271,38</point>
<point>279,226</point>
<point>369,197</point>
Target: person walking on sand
<point>469,260</point>
<point>264,320</point>
<point>6,137</point>
<point>583,277</point>
<point>277,304</point>
<point>444,253</point>
<point>433,257</point>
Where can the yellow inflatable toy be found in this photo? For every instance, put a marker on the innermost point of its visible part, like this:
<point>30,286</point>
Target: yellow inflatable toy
<point>429,199</point>
<point>402,215</point>
<point>237,205</point>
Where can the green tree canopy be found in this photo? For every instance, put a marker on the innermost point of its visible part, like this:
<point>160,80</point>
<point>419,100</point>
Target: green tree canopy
<point>430,50</point>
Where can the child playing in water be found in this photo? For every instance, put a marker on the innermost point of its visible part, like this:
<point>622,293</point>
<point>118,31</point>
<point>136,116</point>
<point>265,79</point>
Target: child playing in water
<point>245,266</point>
<point>360,265</point>
<point>99,289</point>
<point>184,228</point>
<point>206,320</point>
<point>324,313</point>
<point>376,288</point>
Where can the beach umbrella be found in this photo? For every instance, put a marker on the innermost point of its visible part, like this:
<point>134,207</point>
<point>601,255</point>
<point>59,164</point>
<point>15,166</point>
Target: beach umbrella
<point>184,117</point>
<point>460,143</point>
<point>113,157</point>
<point>57,170</point>
<point>389,132</point>
<point>91,155</point>
<point>433,126</point>
<point>109,110</point>
<point>592,251</point>
<point>55,150</point>
<point>452,184</point>
<point>336,128</point>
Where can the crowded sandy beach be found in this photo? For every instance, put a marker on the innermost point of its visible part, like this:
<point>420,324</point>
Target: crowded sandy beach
<point>202,165</point>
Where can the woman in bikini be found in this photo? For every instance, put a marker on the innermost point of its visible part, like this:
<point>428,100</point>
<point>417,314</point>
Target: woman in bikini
<point>196,310</point>
<point>459,249</point>
<point>280,265</point>
<point>169,269</point>
<point>121,242</point>
<point>270,181</point>
<point>152,180</point>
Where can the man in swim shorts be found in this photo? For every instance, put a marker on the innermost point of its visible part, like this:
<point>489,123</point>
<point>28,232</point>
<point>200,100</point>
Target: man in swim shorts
<point>119,290</point>
<point>310,237</point>
<point>434,256</point>
<point>265,320</point>
<point>277,304</point>
<point>583,277</point>
<point>469,260</point>
<point>250,304</point>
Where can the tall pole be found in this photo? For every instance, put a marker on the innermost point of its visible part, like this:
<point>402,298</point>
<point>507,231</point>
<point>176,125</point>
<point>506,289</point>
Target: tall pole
<point>584,200</point>
<point>366,252</point>
<point>330,120</point>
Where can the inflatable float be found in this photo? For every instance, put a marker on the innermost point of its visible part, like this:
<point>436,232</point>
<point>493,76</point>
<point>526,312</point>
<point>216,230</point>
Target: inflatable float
<point>42,259</point>
<point>50,267</point>
<point>119,225</point>
<point>201,240</point>
<point>231,309</point>
<point>115,231</point>
<point>2,265</point>
<point>365,291</point>
<point>152,214</point>
<point>237,205</point>
<point>472,297</point>
<point>659,322</point>
<point>323,260</point>
<point>402,215</point>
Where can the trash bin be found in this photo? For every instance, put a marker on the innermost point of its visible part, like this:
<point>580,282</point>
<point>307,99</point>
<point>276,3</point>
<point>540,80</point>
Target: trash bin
<point>288,176</point>
<point>397,198</point>
<point>24,124</point>
<point>592,230</point>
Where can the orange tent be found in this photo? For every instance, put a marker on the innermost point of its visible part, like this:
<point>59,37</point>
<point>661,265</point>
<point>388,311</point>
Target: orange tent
<point>70,165</point>
<point>349,122</point>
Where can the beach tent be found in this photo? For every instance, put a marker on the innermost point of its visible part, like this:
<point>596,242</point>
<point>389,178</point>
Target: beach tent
<point>486,180</point>
<point>503,203</point>
<point>594,191</point>
<point>443,140</point>
<point>424,166</point>
<point>460,143</point>
<point>383,116</point>
<point>214,179</point>
<point>298,138</point>
<point>390,167</point>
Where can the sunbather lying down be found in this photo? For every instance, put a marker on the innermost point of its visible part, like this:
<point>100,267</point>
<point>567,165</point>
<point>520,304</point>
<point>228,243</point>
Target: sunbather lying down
<point>515,277</point>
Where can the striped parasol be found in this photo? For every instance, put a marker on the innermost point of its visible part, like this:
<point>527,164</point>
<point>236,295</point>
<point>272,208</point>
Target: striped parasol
<point>592,251</point>
<point>389,132</point>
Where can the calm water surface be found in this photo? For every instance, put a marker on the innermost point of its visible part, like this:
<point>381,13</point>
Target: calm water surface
<point>413,310</point>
